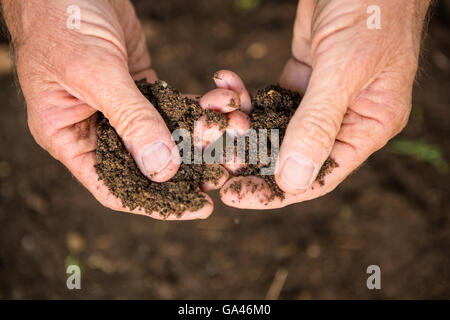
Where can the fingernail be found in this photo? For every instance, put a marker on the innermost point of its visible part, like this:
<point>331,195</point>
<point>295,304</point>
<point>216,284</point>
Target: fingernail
<point>155,158</point>
<point>297,172</point>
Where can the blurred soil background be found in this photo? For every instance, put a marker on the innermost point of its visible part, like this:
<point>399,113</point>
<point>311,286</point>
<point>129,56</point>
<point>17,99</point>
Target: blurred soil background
<point>393,212</point>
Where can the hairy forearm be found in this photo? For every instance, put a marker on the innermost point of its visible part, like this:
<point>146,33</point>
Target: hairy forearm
<point>423,5</point>
<point>11,10</point>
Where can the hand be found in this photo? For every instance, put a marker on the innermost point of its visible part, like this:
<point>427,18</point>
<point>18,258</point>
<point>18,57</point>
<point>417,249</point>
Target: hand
<point>68,75</point>
<point>357,84</point>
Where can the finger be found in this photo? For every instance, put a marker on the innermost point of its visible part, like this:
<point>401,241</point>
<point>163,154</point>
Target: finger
<point>226,79</point>
<point>312,130</point>
<point>249,192</point>
<point>202,213</point>
<point>233,163</point>
<point>61,110</point>
<point>75,147</point>
<point>222,100</point>
<point>138,56</point>
<point>194,97</point>
<point>143,131</point>
<point>238,123</point>
<point>358,138</point>
<point>218,182</point>
<point>206,133</point>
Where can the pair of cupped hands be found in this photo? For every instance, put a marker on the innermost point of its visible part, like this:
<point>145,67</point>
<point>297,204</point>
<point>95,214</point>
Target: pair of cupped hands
<point>356,81</point>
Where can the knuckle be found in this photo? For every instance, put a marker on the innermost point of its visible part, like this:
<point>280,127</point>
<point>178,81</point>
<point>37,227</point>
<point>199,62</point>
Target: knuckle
<point>322,126</point>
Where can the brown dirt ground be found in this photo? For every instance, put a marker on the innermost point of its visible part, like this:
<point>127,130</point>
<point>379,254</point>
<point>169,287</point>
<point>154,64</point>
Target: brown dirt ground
<point>393,212</point>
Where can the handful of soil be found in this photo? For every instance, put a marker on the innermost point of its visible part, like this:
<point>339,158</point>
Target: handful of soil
<point>273,108</point>
<point>116,167</point>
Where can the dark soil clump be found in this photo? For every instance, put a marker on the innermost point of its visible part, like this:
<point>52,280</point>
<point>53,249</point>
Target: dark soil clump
<point>116,167</point>
<point>273,107</point>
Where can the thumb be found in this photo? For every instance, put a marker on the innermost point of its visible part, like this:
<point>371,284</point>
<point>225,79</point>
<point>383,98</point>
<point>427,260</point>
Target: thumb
<point>312,130</point>
<point>137,122</point>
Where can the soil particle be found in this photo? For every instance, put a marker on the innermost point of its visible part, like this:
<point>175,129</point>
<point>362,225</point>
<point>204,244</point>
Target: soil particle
<point>273,107</point>
<point>116,167</point>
